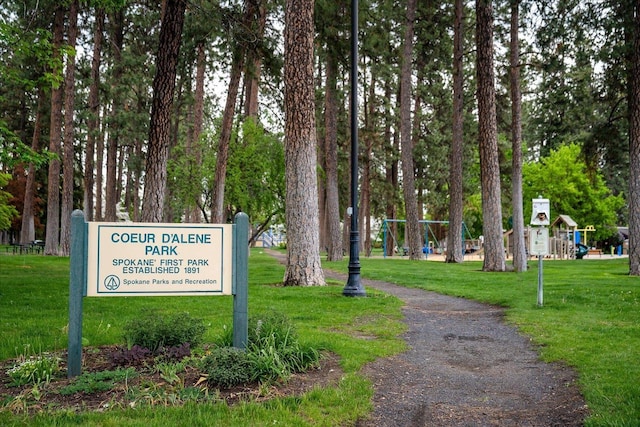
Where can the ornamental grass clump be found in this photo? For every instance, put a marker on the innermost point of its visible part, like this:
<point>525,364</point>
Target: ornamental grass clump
<point>274,348</point>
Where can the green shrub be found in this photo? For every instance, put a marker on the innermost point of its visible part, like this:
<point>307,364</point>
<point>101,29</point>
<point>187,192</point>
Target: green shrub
<point>34,370</point>
<point>227,367</point>
<point>155,332</point>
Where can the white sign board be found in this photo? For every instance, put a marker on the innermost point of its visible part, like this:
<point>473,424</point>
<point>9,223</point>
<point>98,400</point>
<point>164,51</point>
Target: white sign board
<point>159,259</point>
<point>539,241</point>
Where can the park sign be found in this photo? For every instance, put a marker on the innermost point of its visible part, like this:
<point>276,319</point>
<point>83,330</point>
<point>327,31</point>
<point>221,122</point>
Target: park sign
<point>142,259</point>
<point>126,259</point>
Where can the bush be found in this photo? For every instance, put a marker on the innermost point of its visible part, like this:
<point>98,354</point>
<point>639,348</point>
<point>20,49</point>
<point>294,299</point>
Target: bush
<point>227,367</point>
<point>154,331</point>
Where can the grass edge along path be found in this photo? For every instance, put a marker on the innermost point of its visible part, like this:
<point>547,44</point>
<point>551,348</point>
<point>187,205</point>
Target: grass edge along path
<point>590,319</point>
<point>34,313</point>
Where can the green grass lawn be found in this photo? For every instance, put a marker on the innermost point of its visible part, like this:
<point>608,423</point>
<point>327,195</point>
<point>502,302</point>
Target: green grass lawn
<point>34,315</point>
<point>590,320</point>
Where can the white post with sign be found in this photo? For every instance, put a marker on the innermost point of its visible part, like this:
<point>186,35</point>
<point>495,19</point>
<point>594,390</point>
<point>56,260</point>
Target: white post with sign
<point>539,237</point>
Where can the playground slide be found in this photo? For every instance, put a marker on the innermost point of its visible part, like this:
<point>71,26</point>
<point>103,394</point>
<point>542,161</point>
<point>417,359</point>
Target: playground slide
<point>581,250</point>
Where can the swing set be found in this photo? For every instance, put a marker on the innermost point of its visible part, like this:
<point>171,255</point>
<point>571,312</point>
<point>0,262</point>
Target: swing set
<point>435,237</point>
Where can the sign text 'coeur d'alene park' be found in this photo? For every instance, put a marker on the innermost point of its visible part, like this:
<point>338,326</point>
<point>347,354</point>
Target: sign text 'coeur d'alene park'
<point>159,259</point>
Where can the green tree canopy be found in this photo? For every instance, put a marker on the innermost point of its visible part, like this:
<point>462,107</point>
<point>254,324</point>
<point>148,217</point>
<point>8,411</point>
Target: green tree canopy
<point>563,179</point>
<point>255,175</point>
<point>7,211</point>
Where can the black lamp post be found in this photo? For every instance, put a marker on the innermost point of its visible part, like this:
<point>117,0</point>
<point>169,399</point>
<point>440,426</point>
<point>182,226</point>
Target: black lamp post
<point>354,287</point>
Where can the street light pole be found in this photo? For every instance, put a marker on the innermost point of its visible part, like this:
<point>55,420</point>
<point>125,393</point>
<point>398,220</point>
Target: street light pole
<point>354,287</point>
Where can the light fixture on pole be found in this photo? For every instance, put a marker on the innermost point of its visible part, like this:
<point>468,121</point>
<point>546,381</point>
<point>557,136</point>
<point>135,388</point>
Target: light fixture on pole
<point>354,287</point>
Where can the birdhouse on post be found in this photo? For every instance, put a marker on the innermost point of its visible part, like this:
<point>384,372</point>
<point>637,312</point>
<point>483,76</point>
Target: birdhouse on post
<point>541,213</point>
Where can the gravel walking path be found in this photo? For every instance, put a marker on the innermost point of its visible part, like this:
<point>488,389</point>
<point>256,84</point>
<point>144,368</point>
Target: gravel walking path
<point>466,367</point>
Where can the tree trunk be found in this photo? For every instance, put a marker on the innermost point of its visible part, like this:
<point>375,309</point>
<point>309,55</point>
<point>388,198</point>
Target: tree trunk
<point>55,135</point>
<point>412,225</point>
<point>194,150</point>
<point>28,228</point>
<point>301,205</point>
<point>69,149</point>
<point>93,122</point>
<point>634,144</point>
<point>111,189</point>
<point>253,63</point>
<point>365,191</point>
<point>137,178</point>
<point>488,141</point>
<point>391,172</point>
<point>334,234</point>
<point>456,188</point>
<point>160,125</point>
<point>217,199</point>
<point>519,249</point>
<point>99,216</point>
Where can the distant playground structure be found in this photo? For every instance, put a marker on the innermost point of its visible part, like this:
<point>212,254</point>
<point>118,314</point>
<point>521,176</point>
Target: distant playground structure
<point>566,240</point>
<point>434,233</point>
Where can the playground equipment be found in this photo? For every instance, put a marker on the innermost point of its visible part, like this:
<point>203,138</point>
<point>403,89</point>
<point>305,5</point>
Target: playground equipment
<point>581,250</point>
<point>434,237</point>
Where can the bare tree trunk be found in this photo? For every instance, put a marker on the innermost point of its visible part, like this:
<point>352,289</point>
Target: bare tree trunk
<point>519,249</point>
<point>28,228</point>
<point>253,63</point>
<point>391,171</point>
<point>365,191</point>
<point>110,197</point>
<point>99,175</point>
<point>415,129</point>
<point>137,173</point>
<point>334,234</point>
<point>69,89</point>
<point>488,141</point>
<point>217,199</point>
<point>55,135</point>
<point>160,125</point>
<point>93,123</point>
<point>456,193</point>
<point>634,145</point>
<point>412,227</point>
<point>122,157</point>
<point>129,188</point>
<point>301,205</point>
<point>194,151</point>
